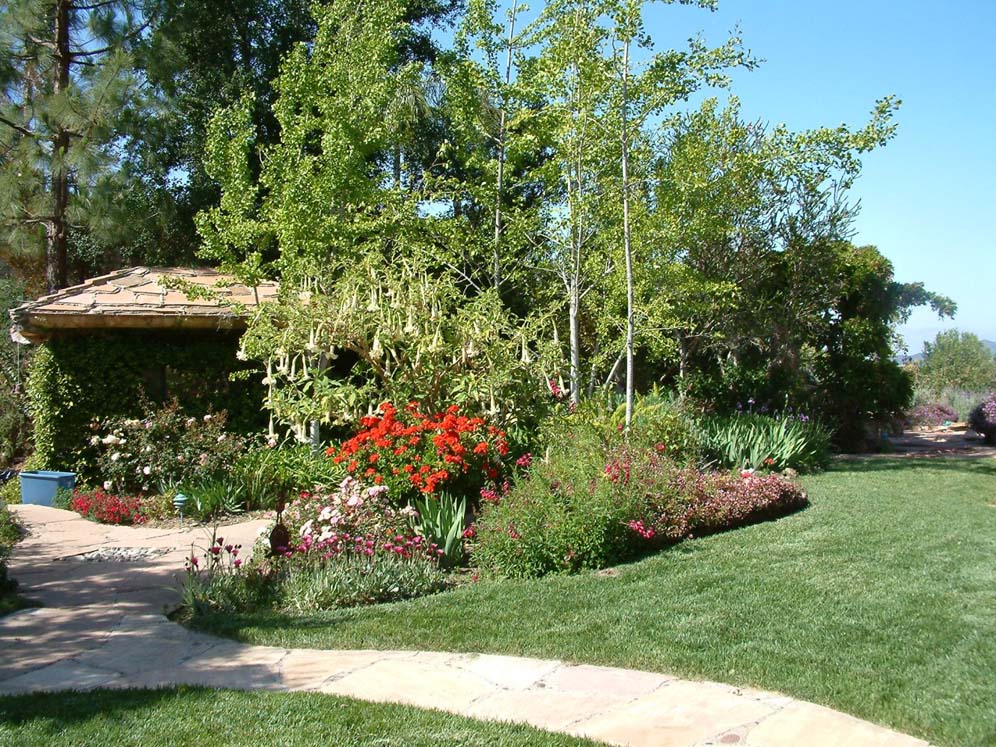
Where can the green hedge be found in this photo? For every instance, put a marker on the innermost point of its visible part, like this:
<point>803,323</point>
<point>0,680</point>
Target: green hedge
<point>77,380</point>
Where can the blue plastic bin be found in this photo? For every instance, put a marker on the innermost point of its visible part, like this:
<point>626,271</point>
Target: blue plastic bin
<point>39,486</point>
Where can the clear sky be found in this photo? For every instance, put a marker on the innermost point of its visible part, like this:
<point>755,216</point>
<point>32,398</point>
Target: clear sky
<point>928,199</point>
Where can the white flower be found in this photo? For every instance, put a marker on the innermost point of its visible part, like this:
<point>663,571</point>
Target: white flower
<point>241,355</point>
<point>115,456</point>
<point>110,439</point>
<point>408,510</point>
<point>306,528</point>
<point>221,438</point>
<point>94,440</point>
<point>147,470</point>
<point>325,514</point>
<point>207,418</point>
<point>108,484</point>
<point>271,442</point>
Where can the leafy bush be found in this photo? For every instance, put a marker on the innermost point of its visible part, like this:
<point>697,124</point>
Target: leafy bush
<point>265,473</point>
<point>418,454</point>
<point>107,508</point>
<point>565,517</point>
<point>931,415</point>
<point>163,449</point>
<point>9,534</point>
<point>698,503</point>
<point>960,400</point>
<point>756,441</point>
<point>74,381</point>
<point>983,419</point>
<point>598,424</point>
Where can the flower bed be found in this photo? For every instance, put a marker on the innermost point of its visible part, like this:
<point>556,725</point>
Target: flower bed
<point>416,454</point>
<point>107,508</point>
<point>565,517</point>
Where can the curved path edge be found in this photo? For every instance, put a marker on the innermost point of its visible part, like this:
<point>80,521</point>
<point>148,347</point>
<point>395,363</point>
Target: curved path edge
<point>102,627</point>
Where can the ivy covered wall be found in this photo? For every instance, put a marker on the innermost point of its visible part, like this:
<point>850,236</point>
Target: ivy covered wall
<point>80,379</point>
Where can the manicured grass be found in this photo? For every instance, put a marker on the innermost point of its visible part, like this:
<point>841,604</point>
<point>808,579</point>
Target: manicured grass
<point>879,600</point>
<point>213,718</point>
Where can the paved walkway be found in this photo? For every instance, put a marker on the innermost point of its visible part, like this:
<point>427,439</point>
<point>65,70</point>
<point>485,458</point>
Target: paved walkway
<point>102,626</point>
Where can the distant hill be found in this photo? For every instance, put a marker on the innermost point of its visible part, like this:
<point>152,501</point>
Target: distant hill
<point>919,356</point>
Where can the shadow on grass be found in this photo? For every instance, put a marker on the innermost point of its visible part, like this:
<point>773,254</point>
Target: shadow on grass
<point>65,708</point>
<point>982,465</point>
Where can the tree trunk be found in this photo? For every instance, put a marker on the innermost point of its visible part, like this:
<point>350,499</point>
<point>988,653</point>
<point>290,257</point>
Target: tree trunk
<point>575,333</point>
<point>502,130</point>
<point>627,245</point>
<point>57,230</point>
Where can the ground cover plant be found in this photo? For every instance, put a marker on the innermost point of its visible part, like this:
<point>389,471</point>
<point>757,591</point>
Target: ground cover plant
<point>877,600</point>
<point>216,718</point>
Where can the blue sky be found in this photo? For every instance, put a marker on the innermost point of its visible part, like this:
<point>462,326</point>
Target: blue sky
<point>928,199</point>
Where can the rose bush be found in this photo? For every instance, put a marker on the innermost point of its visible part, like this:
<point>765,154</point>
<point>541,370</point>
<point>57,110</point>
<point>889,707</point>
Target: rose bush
<point>163,449</point>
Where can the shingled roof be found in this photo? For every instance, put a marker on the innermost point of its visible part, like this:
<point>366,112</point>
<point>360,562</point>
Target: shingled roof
<point>137,298</point>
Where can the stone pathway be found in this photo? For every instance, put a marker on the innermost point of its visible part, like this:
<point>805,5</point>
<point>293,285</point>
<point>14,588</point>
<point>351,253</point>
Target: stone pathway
<point>102,626</point>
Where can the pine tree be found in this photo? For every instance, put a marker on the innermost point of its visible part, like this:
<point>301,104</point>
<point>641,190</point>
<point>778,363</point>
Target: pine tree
<point>66,76</point>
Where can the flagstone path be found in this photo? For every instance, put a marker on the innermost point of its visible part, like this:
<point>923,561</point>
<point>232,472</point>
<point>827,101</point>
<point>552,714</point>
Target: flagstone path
<point>102,625</point>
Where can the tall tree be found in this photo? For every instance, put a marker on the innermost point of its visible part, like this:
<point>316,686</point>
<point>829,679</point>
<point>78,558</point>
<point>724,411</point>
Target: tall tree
<point>65,77</point>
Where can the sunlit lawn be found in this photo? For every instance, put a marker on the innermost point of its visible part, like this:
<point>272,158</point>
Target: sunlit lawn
<point>879,600</point>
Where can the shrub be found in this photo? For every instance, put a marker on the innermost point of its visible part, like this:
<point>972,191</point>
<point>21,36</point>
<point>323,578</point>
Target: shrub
<point>565,517</point>
<point>598,424</point>
<point>418,454</point>
<point>983,419</point>
<point>264,474</point>
<point>9,534</point>
<point>698,503</point>
<point>756,441</point>
<point>931,415</point>
<point>960,400</point>
<point>107,508</point>
<point>211,497</point>
<point>163,449</point>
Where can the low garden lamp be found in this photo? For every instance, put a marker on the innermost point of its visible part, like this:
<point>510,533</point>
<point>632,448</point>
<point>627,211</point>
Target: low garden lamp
<point>179,501</point>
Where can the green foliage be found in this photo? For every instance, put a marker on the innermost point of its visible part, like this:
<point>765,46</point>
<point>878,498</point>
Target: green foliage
<point>755,441</point>
<point>565,515</point>
<point>15,424</point>
<point>959,400</point>
<point>9,534</point>
<point>67,87</point>
<point>264,474</point>
<point>210,498</point>
<point>660,422</point>
<point>163,448</point>
<point>956,360</point>
<point>441,520</point>
<point>351,580</point>
<point>76,381</point>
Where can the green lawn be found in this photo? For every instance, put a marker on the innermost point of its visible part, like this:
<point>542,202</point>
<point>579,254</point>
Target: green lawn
<point>879,600</point>
<point>219,718</point>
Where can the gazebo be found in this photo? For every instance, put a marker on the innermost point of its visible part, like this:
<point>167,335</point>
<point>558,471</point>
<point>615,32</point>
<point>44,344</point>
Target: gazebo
<point>123,343</point>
